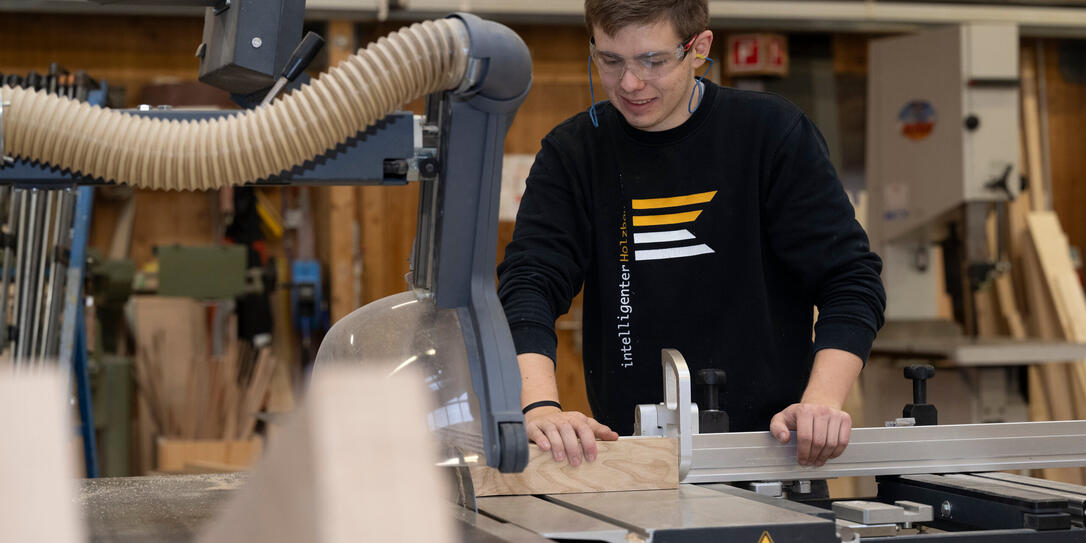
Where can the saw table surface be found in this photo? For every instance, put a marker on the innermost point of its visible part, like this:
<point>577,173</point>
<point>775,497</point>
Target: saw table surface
<point>175,508</point>
<point>166,508</point>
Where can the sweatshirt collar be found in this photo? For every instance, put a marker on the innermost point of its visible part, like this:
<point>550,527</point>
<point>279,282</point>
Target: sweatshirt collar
<point>672,135</point>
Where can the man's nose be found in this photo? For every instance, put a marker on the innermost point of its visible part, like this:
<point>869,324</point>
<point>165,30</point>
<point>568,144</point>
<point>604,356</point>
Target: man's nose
<point>629,81</point>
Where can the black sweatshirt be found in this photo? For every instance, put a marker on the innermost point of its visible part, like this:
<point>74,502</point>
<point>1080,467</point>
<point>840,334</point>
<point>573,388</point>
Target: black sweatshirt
<point>716,238</point>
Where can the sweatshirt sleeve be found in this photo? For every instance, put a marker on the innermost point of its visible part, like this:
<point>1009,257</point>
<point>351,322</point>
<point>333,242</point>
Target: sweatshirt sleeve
<point>544,265</point>
<point>812,228</point>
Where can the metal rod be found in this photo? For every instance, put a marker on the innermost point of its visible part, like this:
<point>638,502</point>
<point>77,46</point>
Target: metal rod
<point>49,257</point>
<point>757,456</point>
<point>920,393</point>
<point>10,221</point>
<point>26,280</point>
<point>16,274</point>
<point>38,312</point>
<point>26,329</point>
<point>73,294</point>
<point>1060,486</point>
<point>60,273</point>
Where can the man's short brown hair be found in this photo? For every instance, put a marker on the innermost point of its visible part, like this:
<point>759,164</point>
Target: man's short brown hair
<point>687,16</point>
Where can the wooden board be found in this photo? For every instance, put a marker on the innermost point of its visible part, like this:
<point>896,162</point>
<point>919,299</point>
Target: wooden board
<point>170,334</point>
<point>1057,310</point>
<point>1031,130</point>
<point>1064,103</point>
<point>1066,290</point>
<point>648,463</point>
<point>1045,326</point>
<point>37,476</point>
<point>329,475</point>
<point>175,454</point>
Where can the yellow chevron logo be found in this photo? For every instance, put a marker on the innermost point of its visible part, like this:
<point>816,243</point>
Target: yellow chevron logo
<point>652,244</point>
<point>765,538</point>
<point>674,201</point>
<point>670,218</point>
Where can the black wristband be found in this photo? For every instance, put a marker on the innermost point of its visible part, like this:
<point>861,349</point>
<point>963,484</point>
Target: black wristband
<point>540,403</point>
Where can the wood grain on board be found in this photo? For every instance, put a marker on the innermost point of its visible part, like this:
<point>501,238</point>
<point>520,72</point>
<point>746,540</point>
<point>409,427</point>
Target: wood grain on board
<point>641,463</point>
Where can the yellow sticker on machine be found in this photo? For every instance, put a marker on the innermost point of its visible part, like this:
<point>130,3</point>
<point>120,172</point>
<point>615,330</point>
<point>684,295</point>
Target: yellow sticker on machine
<point>765,538</point>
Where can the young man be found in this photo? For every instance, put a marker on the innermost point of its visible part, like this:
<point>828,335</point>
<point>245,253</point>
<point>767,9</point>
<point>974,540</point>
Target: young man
<point>696,217</point>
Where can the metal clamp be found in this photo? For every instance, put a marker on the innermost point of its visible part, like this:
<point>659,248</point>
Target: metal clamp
<point>4,158</point>
<point>677,416</point>
<point>866,512</point>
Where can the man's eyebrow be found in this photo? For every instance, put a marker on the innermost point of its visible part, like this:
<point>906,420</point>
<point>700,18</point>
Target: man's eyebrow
<point>639,55</point>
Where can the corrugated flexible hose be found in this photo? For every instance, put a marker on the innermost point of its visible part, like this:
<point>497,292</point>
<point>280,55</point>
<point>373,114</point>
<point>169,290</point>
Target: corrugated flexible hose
<point>184,155</point>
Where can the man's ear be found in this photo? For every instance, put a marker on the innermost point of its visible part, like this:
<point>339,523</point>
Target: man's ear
<point>702,44</point>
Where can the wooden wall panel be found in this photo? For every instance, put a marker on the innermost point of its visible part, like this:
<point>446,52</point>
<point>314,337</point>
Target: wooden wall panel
<point>342,212</point>
<point>388,221</point>
<point>130,51</point>
<point>161,218</point>
<point>1067,138</point>
<point>850,53</point>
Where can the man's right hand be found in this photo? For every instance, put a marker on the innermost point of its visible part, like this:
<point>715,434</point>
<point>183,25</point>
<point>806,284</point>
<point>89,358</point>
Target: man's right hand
<point>567,434</point>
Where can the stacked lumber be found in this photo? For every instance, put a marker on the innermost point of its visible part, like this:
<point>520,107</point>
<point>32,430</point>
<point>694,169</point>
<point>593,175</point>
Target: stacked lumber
<point>1046,288</point>
<point>1057,310</point>
<point>1042,296</point>
<point>186,387</point>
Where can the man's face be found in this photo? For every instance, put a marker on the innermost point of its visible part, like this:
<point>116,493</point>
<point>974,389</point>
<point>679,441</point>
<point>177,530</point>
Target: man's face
<point>659,103</point>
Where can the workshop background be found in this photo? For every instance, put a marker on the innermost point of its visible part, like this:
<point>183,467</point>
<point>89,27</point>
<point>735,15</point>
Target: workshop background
<point>172,273</point>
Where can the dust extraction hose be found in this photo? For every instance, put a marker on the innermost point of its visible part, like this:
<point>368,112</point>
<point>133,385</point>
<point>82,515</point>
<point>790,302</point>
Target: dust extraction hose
<point>159,154</point>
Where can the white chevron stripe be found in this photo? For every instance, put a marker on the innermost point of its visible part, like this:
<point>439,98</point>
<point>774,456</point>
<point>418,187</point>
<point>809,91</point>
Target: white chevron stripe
<point>673,252</point>
<point>661,237</point>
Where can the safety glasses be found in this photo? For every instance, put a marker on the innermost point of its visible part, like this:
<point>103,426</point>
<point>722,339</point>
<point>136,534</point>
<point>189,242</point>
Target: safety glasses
<point>646,66</point>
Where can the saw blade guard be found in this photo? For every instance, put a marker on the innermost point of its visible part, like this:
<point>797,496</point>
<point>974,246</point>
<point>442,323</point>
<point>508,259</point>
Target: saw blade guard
<point>408,333</point>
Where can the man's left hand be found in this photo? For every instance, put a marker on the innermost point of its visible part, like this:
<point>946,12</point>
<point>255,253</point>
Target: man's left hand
<point>822,431</point>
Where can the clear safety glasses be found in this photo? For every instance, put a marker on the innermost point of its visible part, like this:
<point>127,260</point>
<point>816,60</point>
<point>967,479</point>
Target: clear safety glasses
<point>646,66</point>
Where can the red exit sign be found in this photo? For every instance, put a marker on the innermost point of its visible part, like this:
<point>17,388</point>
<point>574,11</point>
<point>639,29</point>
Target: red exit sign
<point>757,54</point>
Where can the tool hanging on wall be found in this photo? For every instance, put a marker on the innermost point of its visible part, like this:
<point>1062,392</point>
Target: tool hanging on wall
<point>45,227</point>
<point>36,229</point>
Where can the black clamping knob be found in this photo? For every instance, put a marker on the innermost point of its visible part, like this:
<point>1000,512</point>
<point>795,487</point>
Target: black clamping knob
<point>711,419</point>
<point>920,410</point>
<point>303,54</point>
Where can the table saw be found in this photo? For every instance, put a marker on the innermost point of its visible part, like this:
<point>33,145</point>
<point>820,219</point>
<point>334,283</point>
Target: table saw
<point>937,483</point>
